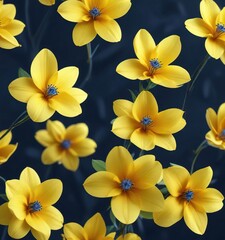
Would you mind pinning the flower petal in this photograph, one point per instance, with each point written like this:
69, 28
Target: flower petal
51, 154
44, 138
29, 176
198, 27
5, 214
74, 231
77, 132
214, 47
8, 11
84, 148
7, 41
221, 116
213, 140
122, 107
17, 187
18, 229
47, 2
166, 141
15, 27
18, 205
6, 139
211, 119
6, 152
57, 130
41, 235
77, 94
102, 184
70, 161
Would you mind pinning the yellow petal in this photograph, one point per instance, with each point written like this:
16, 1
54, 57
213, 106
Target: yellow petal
15, 27
56, 129
125, 207
17, 187
83, 33
47, 2
108, 29
30, 177
132, 69
5, 214
41, 235
119, 162
194, 219
43, 67
198, 27
8, 11
22, 89
144, 45
214, 47
221, 115
102, 184
222, 58
171, 213
169, 121
209, 11
77, 94
70, 161
7, 41
77, 132
44, 138
166, 141
213, 140
51, 154
171, 76
18, 229
168, 49
124, 126
74, 231
38, 108
143, 139
99, 229
53, 217
211, 119
129, 236
84, 148
176, 179
18, 206
122, 107
5, 140
201, 178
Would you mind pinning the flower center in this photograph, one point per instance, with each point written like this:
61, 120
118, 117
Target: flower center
222, 135
34, 207
51, 91
94, 12
65, 144
155, 63
146, 121
220, 28
189, 195
126, 184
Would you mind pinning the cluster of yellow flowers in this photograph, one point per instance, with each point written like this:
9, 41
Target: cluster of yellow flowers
132, 184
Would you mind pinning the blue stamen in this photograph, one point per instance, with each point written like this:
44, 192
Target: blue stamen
34, 207
222, 134
188, 195
95, 12
155, 63
146, 121
65, 144
220, 27
51, 91
126, 184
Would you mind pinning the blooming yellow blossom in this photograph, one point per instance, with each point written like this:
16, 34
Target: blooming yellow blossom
143, 125
9, 26
29, 206
153, 61
189, 198
216, 122
131, 184
211, 26
47, 2
48, 90
94, 17
93, 229
6, 149
65, 145
129, 236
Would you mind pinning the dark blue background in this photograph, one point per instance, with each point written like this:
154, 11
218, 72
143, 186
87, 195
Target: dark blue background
161, 18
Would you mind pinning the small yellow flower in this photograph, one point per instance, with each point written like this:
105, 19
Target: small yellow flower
143, 125
216, 122
211, 26
129, 236
190, 198
47, 2
153, 61
94, 17
48, 90
131, 184
6, 149
29, 206
9, 26
65, 145
93, 229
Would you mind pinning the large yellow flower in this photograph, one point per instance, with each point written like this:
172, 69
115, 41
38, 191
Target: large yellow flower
189, 198
65, 145
216, 122
29, 206
48, 90
93, 229
6, 149
143, 125
211, 26
131, 184
94, 17
9, 26
153, 61
47, 2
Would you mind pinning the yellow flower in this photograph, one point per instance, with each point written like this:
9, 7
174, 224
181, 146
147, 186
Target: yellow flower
94, 17
216, 122
29, 206
190, 198
93, 229
47, 2
129, 236
143, 125
48, 90
65, 145
131, 184
211, 26
9, 26
153, 61
6, 149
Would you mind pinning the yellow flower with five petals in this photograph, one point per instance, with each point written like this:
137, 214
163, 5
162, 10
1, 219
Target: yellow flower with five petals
48, 90
142, 123
189, 197
153, 61
94, 17
29, 206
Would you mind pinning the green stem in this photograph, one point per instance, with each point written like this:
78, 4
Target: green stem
194, 78
3, 179
202, 146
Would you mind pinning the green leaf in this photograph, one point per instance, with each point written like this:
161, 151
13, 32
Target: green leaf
23, 73
133, 96
4, 197
146, 215
98, 165
113, 219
